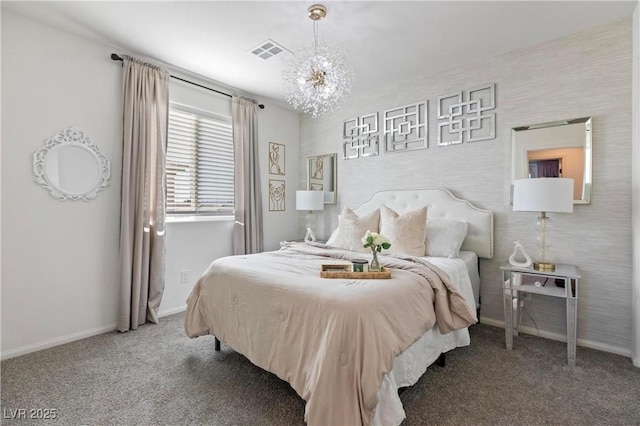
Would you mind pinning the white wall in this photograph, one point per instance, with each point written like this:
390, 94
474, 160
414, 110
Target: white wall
584, 74
282, 126
60, 270
60, 258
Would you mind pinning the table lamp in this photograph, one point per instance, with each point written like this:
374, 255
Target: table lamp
543, 195
309, 200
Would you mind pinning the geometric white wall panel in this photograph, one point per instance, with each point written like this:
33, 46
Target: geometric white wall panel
463, 116
360, 136
405, 128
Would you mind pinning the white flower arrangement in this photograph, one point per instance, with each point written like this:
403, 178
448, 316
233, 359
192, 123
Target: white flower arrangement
376, 241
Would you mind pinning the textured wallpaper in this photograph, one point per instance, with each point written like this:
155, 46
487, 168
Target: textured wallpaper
584, 74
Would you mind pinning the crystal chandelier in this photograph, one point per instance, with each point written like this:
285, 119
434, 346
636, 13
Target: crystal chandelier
317, 77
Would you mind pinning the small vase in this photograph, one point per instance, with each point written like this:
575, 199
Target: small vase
375, 266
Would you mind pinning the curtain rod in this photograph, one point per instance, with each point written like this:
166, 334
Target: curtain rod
116, 57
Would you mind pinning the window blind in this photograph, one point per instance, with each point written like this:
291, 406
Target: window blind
199, 164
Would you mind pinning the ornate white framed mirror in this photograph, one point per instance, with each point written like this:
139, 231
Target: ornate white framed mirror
322, 176
555, 149
71, 167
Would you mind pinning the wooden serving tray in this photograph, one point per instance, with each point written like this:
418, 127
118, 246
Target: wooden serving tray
344, 271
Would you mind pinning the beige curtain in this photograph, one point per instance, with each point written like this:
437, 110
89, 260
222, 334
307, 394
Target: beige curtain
247, 230
142, 226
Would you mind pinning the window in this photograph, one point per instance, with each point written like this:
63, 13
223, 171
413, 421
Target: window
199, 163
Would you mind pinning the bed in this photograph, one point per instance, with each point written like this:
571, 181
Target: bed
347, 345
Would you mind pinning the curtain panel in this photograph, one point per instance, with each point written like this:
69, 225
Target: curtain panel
247, 229
142, 227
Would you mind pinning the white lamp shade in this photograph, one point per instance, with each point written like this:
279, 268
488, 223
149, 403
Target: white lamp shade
543, 195
309, 200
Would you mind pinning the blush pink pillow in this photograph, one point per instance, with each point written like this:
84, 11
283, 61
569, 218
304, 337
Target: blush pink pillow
352, 228
406, 233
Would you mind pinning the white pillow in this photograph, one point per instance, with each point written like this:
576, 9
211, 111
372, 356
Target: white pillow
352, 228
332, 239
406, 233
445, 237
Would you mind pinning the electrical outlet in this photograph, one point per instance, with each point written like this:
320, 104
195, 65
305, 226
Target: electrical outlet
184, 276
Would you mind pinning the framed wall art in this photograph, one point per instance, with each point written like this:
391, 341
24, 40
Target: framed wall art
276, 158
276, 195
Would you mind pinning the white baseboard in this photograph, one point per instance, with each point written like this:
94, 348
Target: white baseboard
56, 342
563, 338
167, 312
12, 353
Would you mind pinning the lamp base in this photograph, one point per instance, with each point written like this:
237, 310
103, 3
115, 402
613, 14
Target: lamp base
544, 266
310, 236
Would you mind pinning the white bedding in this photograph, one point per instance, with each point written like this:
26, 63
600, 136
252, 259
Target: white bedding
411, 364
471, 260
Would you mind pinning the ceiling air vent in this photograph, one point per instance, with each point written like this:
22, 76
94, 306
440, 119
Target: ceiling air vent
268, 49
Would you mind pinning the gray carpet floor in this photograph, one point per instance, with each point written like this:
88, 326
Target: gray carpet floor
156, 376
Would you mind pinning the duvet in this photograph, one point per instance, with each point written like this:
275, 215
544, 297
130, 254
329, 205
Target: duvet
333, 340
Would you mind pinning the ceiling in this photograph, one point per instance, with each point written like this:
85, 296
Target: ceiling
386, 41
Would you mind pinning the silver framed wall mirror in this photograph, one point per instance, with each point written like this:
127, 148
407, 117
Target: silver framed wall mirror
555, 149
71, 167
322, 176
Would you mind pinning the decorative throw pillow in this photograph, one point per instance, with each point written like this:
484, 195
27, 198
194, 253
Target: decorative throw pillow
332, 239
352, 228
445, 237
406, 233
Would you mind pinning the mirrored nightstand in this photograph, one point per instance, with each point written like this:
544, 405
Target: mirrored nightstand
513, 283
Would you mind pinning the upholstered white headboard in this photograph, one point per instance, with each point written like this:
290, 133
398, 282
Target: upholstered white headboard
441, 203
